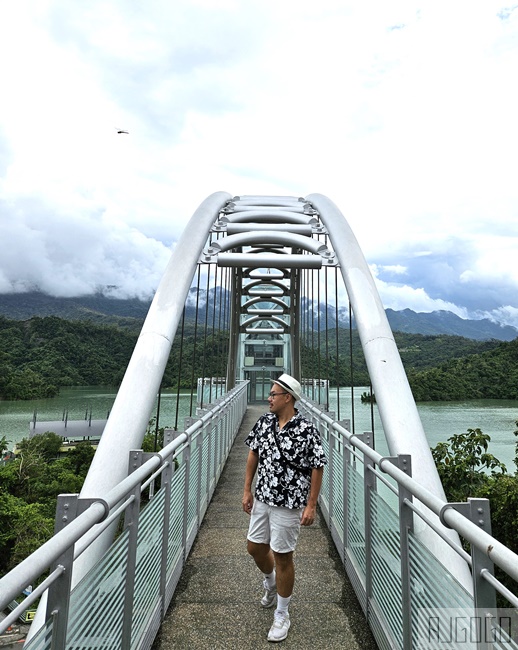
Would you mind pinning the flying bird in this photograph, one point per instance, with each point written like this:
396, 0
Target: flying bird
120, 131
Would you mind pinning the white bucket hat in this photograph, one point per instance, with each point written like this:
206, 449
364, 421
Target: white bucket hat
290, 384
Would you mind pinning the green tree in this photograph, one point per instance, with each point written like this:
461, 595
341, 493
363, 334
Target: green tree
29, 486
153, 438
468, 470
4, 444
79, 458
464, 464
31, 528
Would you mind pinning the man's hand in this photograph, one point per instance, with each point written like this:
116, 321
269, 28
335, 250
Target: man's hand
248, 501
251, 466
308, 516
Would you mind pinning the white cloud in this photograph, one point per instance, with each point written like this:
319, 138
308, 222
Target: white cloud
65, 257
506, 315
403, 113
402, 296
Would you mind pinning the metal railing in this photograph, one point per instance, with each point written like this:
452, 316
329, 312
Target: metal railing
375, 511
121, 601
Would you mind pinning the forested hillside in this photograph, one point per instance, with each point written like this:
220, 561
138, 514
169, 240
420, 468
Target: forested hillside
446, 367
489, 375
418, 352
39, 355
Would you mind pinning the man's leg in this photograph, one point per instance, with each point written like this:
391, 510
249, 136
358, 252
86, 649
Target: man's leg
285, 531
263, 556
285, 570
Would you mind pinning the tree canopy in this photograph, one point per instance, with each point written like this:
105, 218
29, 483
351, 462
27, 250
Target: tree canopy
468, 470
29, 486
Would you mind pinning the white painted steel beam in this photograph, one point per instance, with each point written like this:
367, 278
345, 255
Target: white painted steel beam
258, 300
269, 261
279, 216
265, 330
268, 200
258, 319
269, 237
265, 312
297, 228
234, 207
271, 274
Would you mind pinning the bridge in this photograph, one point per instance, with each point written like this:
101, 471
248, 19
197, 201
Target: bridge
258, 286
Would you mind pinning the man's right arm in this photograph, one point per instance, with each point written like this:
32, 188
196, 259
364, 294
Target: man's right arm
251, 468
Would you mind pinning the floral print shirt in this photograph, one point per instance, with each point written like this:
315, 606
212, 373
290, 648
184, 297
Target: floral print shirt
284, 474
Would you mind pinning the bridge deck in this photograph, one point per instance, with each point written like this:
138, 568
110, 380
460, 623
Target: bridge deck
216, 604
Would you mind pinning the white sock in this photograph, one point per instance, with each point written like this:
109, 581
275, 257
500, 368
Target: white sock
270, 579
282, 604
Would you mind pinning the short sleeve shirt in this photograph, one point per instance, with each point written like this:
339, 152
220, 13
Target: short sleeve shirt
285, 459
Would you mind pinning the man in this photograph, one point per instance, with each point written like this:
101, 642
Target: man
286, 452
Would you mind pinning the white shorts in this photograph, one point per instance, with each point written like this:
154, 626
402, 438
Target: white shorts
274, 525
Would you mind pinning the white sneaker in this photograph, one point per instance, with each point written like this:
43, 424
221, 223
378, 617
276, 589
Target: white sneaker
270, 595
280, 627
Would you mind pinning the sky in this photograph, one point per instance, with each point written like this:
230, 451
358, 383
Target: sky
404, 113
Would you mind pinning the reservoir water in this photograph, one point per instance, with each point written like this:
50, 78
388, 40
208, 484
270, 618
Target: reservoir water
497, 418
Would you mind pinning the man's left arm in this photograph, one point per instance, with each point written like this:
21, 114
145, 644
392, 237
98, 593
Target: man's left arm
310, 511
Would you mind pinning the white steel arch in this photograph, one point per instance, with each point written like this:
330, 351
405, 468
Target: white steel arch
135, 400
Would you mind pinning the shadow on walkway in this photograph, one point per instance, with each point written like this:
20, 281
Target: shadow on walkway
216, 604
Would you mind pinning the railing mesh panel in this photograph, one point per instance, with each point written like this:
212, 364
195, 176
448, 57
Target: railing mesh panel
336, 508
147, 574
442, 610
324, 434
432, 585
175, 546
356, 517
205, 468
97, 602
192, 490
386, 565
42, 640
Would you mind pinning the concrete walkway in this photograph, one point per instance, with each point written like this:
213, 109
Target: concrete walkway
216, 604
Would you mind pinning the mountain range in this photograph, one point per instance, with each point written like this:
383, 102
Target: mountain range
130, 313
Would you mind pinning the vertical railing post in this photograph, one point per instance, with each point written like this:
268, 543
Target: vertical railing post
58, 602
186, 456
166, 481
406, 526
226, 437
484, 593
218, 453
224, 425
131, 521
232, 416
369, 486
330, 469
197, 447
212, 427
345, 487
331, 492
